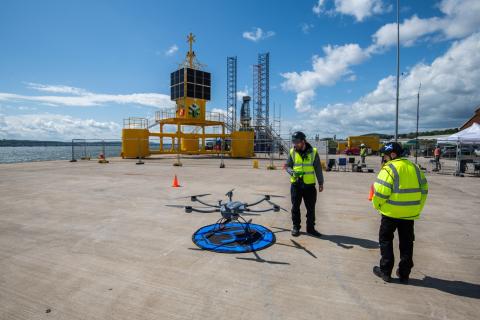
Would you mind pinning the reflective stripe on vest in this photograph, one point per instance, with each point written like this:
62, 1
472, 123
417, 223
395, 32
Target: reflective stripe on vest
396, 181
304, 166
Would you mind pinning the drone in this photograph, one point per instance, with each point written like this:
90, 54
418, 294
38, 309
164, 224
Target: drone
231, 210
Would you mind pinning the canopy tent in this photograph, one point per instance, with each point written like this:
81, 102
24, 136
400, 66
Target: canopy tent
468, 135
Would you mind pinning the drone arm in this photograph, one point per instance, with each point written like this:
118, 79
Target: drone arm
255, 203
258, 210
207, 204
204, 211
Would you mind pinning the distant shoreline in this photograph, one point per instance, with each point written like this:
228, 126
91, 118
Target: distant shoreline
117, 142
39, 143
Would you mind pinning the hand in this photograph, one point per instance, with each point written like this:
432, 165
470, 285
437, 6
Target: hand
298, 174
320, 188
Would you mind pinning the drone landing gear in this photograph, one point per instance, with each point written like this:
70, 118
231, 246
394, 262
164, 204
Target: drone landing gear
221, 225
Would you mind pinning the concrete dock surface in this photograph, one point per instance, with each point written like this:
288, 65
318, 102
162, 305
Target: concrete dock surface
95, 241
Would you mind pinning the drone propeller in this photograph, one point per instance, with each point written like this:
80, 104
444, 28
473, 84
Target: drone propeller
175, 205
268, 196
195, 196
276, 207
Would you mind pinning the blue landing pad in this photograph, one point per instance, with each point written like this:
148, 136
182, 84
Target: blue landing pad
232, 238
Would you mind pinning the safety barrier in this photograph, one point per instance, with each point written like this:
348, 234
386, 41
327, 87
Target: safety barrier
141, 148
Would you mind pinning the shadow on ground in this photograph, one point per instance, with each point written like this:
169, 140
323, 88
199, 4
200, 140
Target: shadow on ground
458, 288
345, 242
297, 245
257, 258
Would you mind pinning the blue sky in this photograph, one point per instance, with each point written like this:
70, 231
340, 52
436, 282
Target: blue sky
77, 68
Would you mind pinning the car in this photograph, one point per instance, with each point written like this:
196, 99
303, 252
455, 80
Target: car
352, 151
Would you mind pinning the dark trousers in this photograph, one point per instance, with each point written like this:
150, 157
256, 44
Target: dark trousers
406, 237
438, 165
308, 193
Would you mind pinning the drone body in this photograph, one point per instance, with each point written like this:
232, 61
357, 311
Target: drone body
231, 210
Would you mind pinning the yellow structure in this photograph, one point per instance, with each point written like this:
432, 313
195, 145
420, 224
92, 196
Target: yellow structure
242, 144
189, 129
135, 138
341, 146
372, 142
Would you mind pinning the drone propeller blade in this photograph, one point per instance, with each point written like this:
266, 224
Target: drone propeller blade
195, 196
277, 206
268, 196
175, 205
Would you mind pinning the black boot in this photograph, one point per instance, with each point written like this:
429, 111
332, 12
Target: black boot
403, 280
295, 231
313, 232
379, 273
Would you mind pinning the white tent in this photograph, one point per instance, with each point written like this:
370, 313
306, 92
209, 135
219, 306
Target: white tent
469, 135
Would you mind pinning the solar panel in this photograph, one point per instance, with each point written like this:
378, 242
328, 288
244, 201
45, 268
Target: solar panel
198, 84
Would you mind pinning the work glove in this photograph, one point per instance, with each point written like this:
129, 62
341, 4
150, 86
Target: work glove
297, 174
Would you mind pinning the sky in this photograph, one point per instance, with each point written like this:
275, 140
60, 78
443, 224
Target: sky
76, 69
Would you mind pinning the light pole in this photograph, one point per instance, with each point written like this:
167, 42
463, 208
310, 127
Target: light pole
398, 69
418, 117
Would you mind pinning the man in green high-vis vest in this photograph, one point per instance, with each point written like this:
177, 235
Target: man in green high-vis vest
400, 192
305, 170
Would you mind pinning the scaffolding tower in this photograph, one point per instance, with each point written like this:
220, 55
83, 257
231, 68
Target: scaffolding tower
261, 91
231, 93
261, 103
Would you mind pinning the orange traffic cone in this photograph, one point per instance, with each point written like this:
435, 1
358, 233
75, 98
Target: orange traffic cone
175, 182
372, 191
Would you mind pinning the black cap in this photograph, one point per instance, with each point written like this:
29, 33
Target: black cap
390, 147
298, 136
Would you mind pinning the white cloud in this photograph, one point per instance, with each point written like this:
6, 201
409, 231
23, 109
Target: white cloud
306, 27
54, 127
326, 70
242, 93
318, 7
82, 98
449, 95
218, 110
257, 34
460, 18
56, 88
360, 9
172, 50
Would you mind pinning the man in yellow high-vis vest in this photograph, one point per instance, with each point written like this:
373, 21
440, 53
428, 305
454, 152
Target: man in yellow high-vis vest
305, 170
400, 192
363, 152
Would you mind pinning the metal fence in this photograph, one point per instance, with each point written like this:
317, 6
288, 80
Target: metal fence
277, 148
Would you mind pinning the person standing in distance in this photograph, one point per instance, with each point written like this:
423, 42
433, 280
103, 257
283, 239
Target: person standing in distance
363, 152
305, 170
